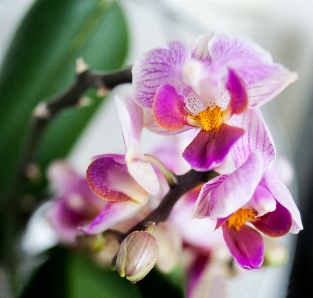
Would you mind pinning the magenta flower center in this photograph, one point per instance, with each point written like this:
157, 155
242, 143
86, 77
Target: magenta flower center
210, 118
239, 218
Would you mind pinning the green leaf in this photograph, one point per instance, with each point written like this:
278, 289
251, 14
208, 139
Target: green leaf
70, 275
86, 280
41, 62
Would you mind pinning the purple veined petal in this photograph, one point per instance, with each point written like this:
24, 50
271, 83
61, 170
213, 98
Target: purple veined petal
276, 223
157, 67
203, 205
209, 148
199, 47
131, 117
261, 92
256, 137
262, 201
250, 62
236, 191
154, 127
245, 245
111, 181
237, 92
112, 214
168, 108
140, 169
281, 193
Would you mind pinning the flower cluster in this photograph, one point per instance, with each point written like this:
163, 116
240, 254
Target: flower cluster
213, 89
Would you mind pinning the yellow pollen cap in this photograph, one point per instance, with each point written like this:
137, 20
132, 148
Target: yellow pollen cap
239, 218
210, 118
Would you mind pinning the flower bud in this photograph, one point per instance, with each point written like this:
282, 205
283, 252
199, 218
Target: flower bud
137, 255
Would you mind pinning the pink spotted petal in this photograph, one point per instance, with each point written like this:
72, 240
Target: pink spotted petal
111, 181
203, 205
262, 201
276, 223
265, 90
245, 245
250, 62
256, 137
236, 191
281, 193
237, 92
140, 169
209, 148
112, 214
168, 108
156, 68
131, 117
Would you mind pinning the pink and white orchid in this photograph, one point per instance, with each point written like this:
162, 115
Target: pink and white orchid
203, 87
75, 204
124, 181
252, 195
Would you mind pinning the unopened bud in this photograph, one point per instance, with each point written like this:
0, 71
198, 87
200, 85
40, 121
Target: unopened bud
137, 255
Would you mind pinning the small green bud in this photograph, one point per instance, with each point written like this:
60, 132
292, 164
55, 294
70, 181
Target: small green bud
137, 255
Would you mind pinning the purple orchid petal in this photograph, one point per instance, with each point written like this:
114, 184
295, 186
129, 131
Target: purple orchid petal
209, 148
281, 193
112, 214
203, 205
276, 223
250, 62
199, 46
157, 67
168, 108
131, 117
265, 90
236, 191
262, 201
237, 91
140, 169
245, 245
111, 181
256, 137
195, 274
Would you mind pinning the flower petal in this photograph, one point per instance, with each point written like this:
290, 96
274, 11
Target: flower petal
168, 108
157, 67
203, 206
276, 223
131, 117
256, 137
281, 193
199, 46
209, 148
262, 201
111, 214
111, 181
140, 169
261, 92
245, 245
250, 62
235, 191
237, 92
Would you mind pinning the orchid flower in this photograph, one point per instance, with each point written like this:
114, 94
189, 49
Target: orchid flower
75, 204
252, 198
124, 181
203, 87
